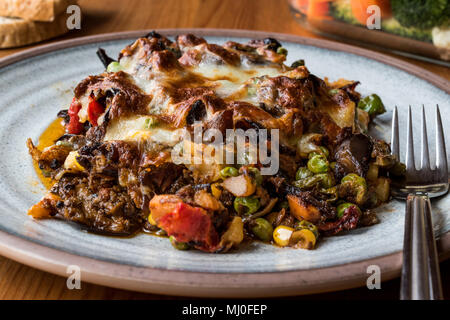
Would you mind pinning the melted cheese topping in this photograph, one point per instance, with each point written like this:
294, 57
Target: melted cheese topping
228, 82
136, 128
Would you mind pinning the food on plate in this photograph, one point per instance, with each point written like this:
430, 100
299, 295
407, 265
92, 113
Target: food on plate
115, 170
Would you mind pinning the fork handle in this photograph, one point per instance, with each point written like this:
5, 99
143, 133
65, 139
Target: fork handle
420, 273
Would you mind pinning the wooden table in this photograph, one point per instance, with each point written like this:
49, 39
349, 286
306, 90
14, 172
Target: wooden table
18, 281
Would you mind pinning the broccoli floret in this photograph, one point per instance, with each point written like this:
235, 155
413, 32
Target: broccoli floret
342, 10
421, 14
393, 26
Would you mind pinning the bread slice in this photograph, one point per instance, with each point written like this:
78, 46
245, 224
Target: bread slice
16, 32
35, 10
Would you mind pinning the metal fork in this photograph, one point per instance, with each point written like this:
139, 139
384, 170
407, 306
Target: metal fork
420, 273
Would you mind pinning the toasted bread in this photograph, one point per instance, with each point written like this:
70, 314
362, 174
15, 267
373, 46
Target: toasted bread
16, 32
34, 10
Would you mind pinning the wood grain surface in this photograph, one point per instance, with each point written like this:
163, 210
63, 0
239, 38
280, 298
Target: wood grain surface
18, 281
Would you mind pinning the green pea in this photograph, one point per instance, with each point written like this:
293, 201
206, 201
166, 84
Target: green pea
229, 172
355, 179
246, 205
114, 67
372, 104
178, 245
298, 63
331, 193
282, 51
256, 174
318, 164
308, 183
150, 123
333, 92
262, 229
302, 173
326, 180
344, 206
322, 151
309, 226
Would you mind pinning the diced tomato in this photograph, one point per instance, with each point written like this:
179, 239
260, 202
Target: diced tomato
190, 224
74, 126
95, 110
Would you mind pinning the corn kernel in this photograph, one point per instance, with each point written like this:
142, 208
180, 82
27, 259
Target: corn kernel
282, 235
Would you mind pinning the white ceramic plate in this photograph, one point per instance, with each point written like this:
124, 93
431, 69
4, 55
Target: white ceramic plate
36, 84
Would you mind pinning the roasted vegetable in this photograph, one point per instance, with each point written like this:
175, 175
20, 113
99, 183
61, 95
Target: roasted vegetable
43, 209
382, 189
353, 188
353, 155
206, 200
72, 163
262, 229
326, 180
282, 235
255, 174
233, 236
304, 239
229, 172
302, 210
318, 164
240, 186
246, 205
372, 173
163, 204
190, 224
344, 206
348, 221
298, 63
309, 182
114, 67
309, 226
303, 173
372, 104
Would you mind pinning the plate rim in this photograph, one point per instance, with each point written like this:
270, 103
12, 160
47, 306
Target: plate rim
202, 284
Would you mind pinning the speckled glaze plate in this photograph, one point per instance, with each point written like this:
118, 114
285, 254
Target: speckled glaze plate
35, 84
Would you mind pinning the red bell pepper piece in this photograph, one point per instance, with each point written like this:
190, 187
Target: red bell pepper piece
95, 110
191, 224
74, 126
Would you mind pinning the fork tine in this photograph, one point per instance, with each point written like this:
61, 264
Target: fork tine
425, 156
409, 161
441, 154
395, 145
